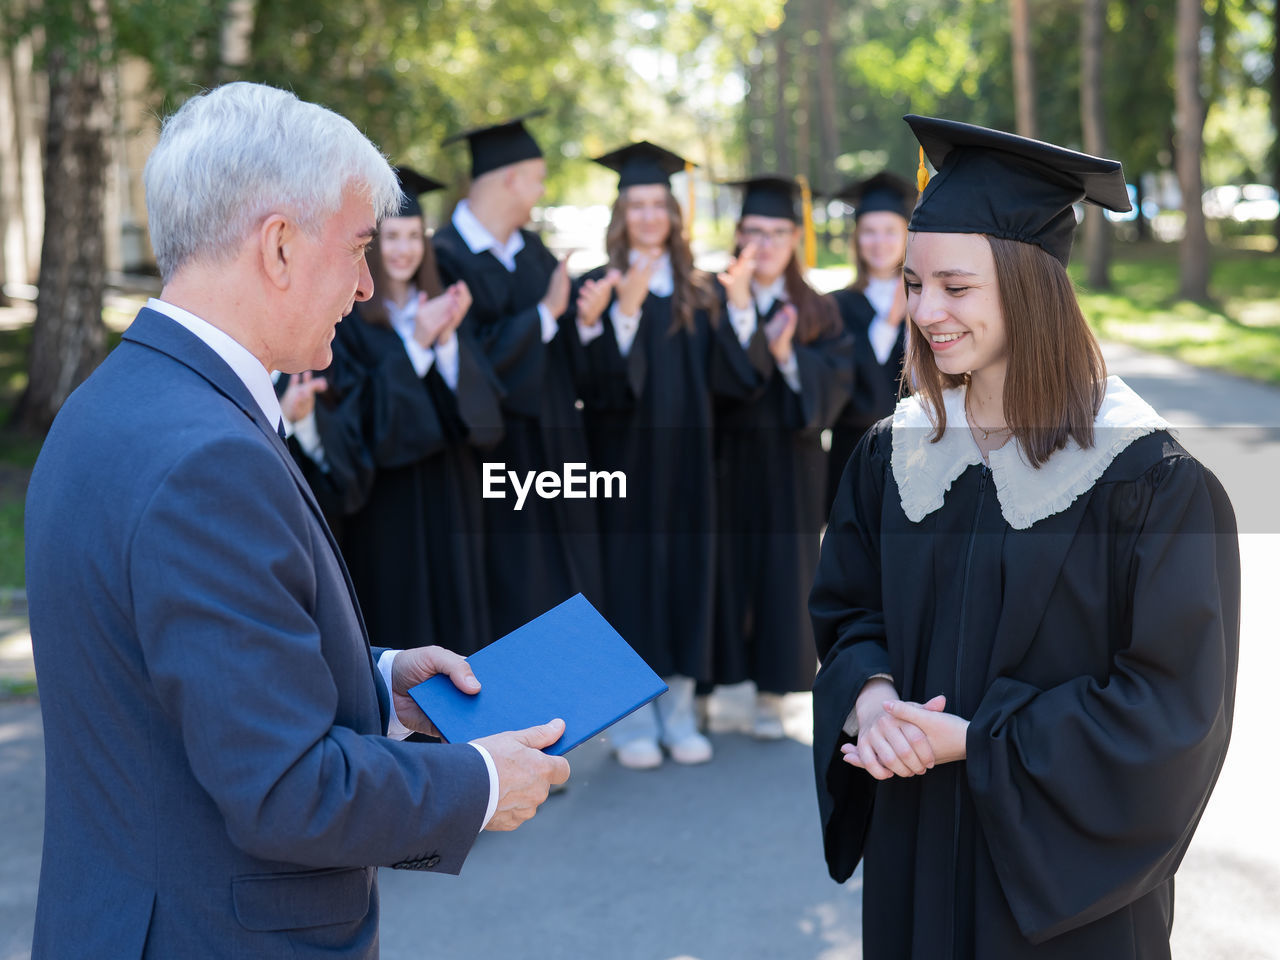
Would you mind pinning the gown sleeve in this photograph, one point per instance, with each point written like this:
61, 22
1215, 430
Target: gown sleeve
847, 610
1088, 791
826, 379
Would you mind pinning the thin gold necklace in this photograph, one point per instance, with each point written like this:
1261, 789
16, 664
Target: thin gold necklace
986, 434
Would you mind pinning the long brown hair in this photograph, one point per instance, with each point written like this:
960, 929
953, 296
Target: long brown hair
817, 315
693, 288
1055, 378
427, 280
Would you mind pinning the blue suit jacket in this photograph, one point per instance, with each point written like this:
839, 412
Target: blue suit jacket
218, 782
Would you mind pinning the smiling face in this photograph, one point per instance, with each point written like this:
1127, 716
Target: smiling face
328, 274
882, 240
402, 244
953, 298
648, 216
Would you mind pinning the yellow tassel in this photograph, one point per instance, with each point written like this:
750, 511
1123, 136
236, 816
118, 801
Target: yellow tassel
810, 236
922, 173
693, 201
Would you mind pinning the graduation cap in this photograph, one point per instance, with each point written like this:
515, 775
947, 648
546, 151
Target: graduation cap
500, 144
643, 163
883, 191
769, 195
1008, 186
414, 184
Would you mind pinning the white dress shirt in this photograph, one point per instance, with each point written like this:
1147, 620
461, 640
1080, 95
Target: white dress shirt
883, 335
625, 327
478, 239
444, 356
258, 381
744, 324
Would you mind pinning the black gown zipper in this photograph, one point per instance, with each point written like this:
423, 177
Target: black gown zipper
956, 706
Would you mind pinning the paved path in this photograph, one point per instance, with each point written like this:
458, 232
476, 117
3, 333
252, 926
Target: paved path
722, 862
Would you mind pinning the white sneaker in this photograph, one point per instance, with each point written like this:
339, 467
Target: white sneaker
693, 748
641, 754
767, 724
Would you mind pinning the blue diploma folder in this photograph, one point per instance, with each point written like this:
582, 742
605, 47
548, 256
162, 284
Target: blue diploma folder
567, 663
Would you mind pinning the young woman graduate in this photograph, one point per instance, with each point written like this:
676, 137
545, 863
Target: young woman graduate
646, 320
873, 309
781, 373
548, 550
1020, 745
424, 405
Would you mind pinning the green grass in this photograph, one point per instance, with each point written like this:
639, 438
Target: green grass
1238, 332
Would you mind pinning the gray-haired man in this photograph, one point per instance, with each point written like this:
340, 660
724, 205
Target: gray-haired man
224, 768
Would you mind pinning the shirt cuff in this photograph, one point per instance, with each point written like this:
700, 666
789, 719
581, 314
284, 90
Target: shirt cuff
395, 729
744, 323
625, 327
421, 357
587, 334
791, 372
493, 786
308, 437
447, 361
549, 325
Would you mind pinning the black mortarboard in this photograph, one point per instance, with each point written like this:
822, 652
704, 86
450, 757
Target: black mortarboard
414, 185
769, 196
500, 144
642, 163
1008, 186
883, 191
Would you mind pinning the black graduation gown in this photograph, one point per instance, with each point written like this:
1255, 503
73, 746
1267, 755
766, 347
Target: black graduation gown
875, 384
771, 494
414, 544
1094, 654
648, 414
549, 550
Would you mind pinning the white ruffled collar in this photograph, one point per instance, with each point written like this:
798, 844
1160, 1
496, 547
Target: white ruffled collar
924, 471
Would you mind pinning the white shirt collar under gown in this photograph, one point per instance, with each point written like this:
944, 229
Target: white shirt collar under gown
924, 471
765, 296
661, 280
244, 364
478, 238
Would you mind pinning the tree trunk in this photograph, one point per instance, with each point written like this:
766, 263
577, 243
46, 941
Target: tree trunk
68, 338
1024, 79
236, 38
1275, 107
1194, 257
827, 110
1097, 231
756, 124
781, 111
803, 112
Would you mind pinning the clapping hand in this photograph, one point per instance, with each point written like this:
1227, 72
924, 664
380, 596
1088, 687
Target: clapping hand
437, 318
779, 332
736, 278
594, 296
299, 398
633, 288
556, 299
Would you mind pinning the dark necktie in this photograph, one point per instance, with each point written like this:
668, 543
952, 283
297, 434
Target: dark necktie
280, 430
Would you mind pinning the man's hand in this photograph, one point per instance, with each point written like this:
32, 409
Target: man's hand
556, 299
299, 397
525, 773
889, 745
594, 296
411, 667
736, 278
779, 332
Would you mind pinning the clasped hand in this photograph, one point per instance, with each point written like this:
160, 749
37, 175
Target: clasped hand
903, 739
